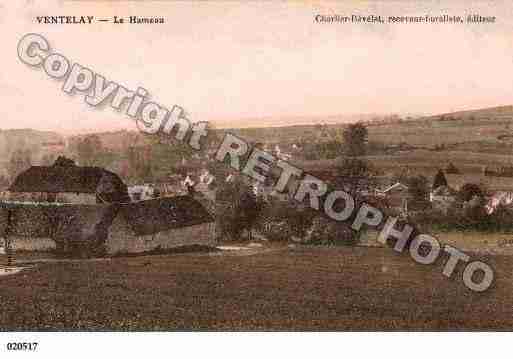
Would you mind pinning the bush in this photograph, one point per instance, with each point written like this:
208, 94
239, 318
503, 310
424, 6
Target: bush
282, 220
275, 230
469, 191
237, 209
325, 231
466, 216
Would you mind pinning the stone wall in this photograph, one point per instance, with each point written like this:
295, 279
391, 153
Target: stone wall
89, 230
77, 198
70, 229
32, 244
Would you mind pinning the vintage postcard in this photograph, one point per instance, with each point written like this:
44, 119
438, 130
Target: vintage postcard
275, 166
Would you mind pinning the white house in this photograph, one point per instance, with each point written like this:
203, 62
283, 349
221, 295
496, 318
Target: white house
499, 199
141, 192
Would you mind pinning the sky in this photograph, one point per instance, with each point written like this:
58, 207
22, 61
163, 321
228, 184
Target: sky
227, 61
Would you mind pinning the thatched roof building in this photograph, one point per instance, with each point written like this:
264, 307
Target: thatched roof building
108, 229
160, 223
163, 214
66, 177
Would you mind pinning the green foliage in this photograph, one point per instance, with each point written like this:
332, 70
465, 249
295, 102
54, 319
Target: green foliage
471, 216
418, 188
469, 191
439, 180
353, 167
88, 150
237, 208
325, 231
355, 139
322, 150
353, 173
279, 221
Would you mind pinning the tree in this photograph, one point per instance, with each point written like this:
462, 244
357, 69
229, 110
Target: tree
439, 180
469, 191
325, 231
140, 163
64, 161
165, 153
89, 149
237, 209
418, 188
282, 220
355, 139
322, 150
220, 171
354, 175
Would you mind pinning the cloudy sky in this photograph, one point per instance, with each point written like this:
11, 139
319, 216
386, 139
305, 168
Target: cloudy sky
225, 61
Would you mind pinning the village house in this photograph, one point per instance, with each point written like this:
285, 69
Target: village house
143, 192
501, 198
442, 198
397, 196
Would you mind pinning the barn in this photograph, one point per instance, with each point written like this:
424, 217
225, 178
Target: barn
100, 229
161, 223
68, 229
86, 211
397, 197
68, 183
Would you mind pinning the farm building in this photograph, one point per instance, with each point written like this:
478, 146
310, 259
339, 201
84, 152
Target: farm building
86, 211
160, 224
500, 198
66, 228
442, 197
143, 192
397, 196
65, 182
89, 230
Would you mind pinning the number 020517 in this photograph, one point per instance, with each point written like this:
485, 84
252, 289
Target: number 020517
22, 346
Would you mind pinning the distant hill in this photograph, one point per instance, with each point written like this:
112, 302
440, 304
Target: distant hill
446, 128
471, 139
294, 121
116, 141
498, 112
291, 121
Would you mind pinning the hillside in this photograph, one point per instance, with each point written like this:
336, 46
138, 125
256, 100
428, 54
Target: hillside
117, 141
490, 112
471, 140
38, 142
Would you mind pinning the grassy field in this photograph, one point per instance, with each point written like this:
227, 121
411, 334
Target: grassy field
471, 140
302, 288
